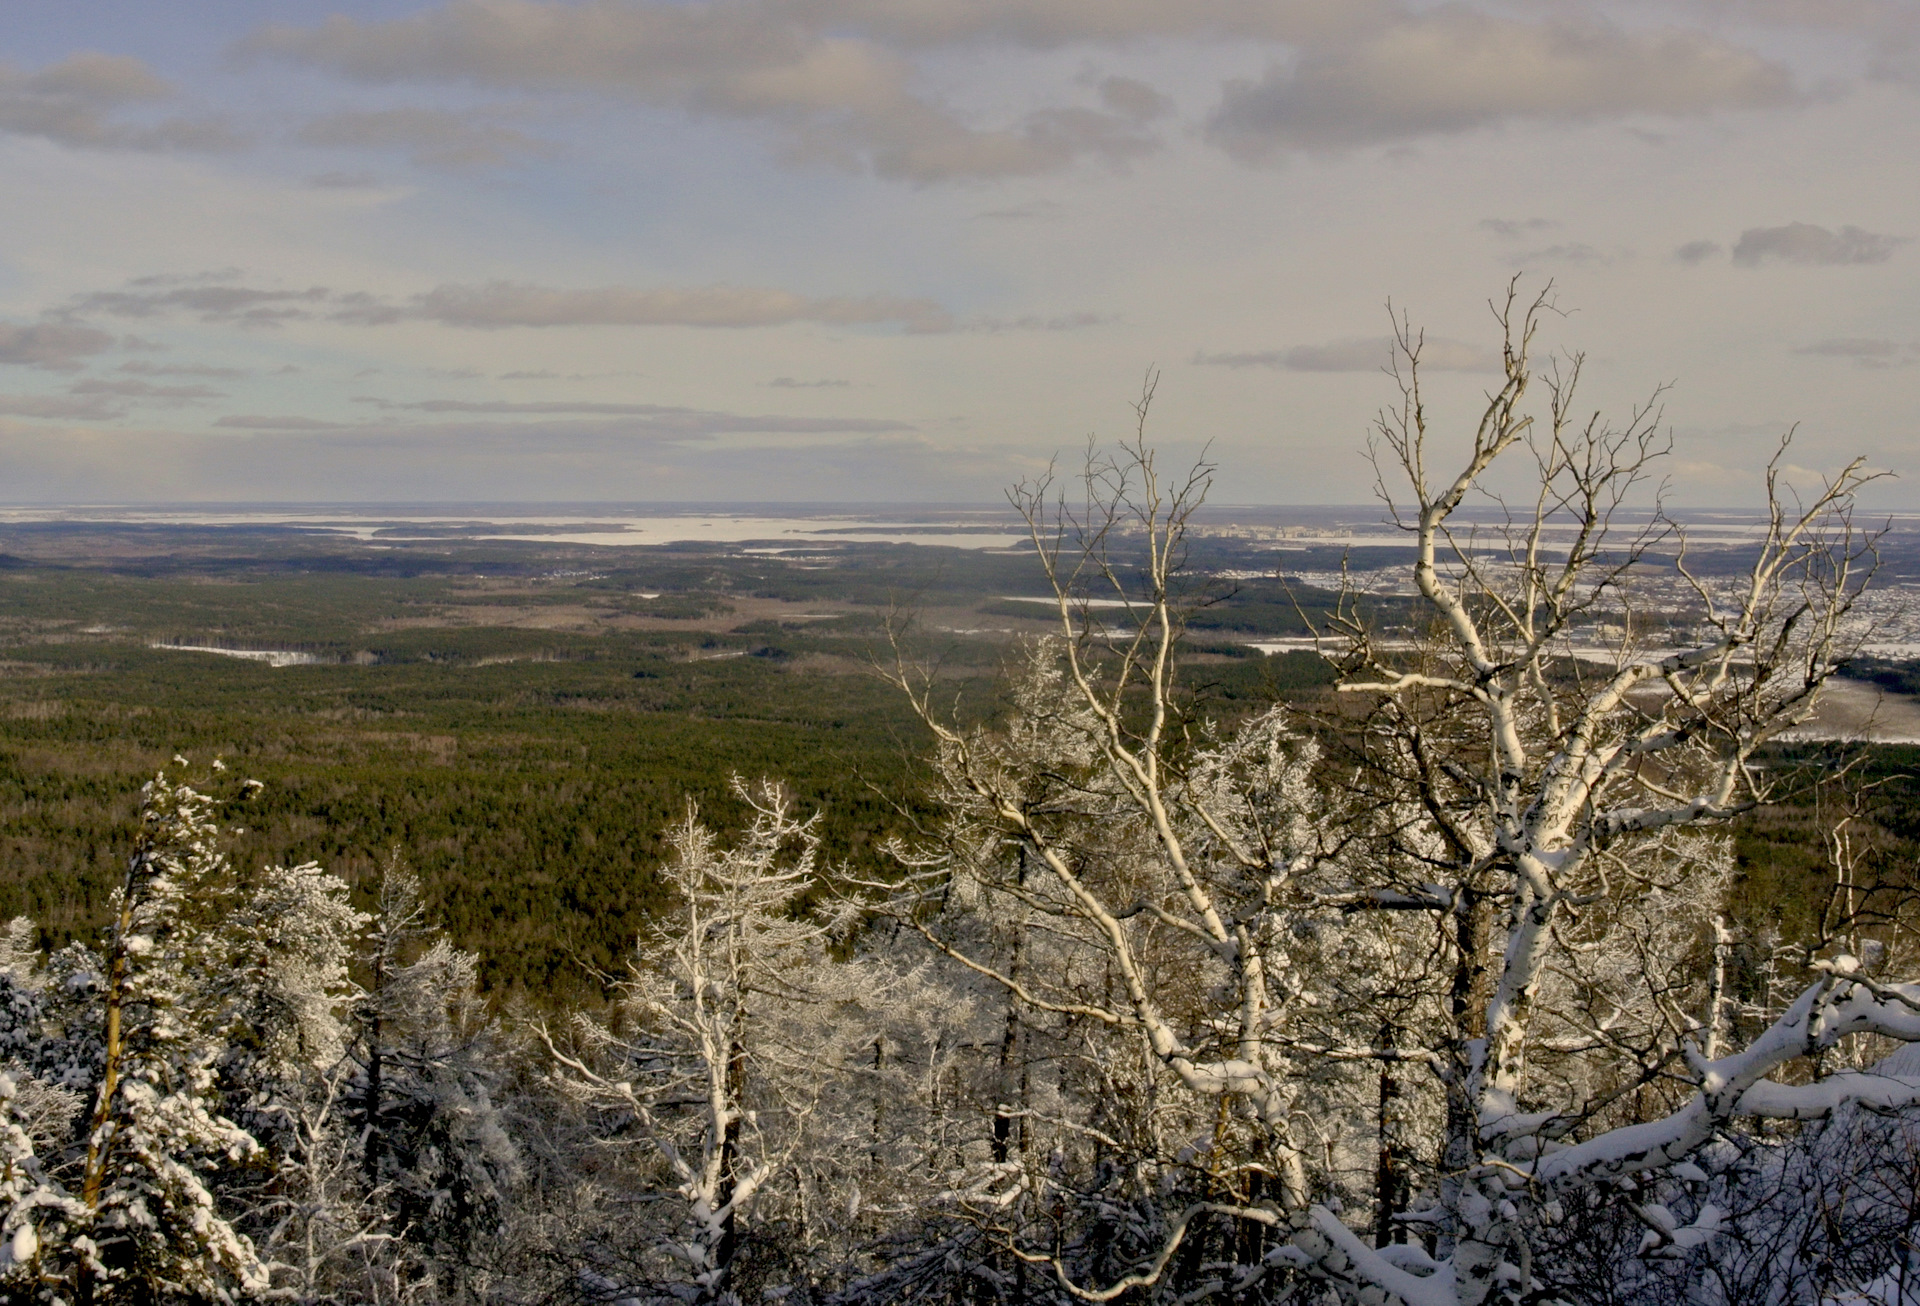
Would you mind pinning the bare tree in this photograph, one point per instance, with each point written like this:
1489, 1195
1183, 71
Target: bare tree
1497, 875
1146, 862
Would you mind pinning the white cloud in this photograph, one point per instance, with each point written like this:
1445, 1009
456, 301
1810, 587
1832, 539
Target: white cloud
843, 99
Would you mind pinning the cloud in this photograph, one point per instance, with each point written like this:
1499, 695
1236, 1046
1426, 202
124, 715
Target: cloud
1809, 246
661, 419
1452, 70
1027, 212
1359, 355
513, 304
52, 345
146, 390
68, 407
214, 303
842, 99
344, 181
622, 458
141, 368
1514, 228
255, 422
1579, 255
1133, 99
1697, 251
788, 383
74, 103
1050, 24
1038, 322
502, 304
1874, 354
431, 138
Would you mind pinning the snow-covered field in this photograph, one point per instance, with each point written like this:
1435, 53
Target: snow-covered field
273, 657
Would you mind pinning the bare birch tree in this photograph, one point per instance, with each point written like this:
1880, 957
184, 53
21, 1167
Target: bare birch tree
1519, 793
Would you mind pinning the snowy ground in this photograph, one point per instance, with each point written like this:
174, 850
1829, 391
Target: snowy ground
1855, 709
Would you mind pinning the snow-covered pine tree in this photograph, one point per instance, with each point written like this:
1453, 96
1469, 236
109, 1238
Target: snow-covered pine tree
279, 995
423, 1098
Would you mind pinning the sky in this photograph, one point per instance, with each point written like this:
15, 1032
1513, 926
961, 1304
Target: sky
917, 250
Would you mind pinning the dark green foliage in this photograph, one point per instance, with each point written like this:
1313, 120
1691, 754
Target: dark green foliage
525, 773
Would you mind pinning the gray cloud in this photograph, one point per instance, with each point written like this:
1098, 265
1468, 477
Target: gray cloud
512, 304
258, 422
54, 345
789, 383
1576, 253
432, 138
344, 181
214, 303
68, 407
1808, 245
660, 419
1514, 228
1697, 251
843, 99
1453, 69
1868, 353
624, 458
75, 103
146, 390
1133, 99
1050, 24
1027, 212
139, 367
1359, 355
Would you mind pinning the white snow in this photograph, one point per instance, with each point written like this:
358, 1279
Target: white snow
273, 657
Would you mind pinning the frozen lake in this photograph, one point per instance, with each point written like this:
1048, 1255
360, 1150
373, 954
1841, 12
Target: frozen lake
554, 525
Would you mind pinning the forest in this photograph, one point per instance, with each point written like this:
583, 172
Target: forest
703, 928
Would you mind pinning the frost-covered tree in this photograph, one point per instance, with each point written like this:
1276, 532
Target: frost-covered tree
730, 1024
1130, 874
167, 1098
1553, 758
1483, 888
155, 1130
422, 1099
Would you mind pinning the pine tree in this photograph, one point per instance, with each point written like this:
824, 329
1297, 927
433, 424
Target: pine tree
427, 1069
